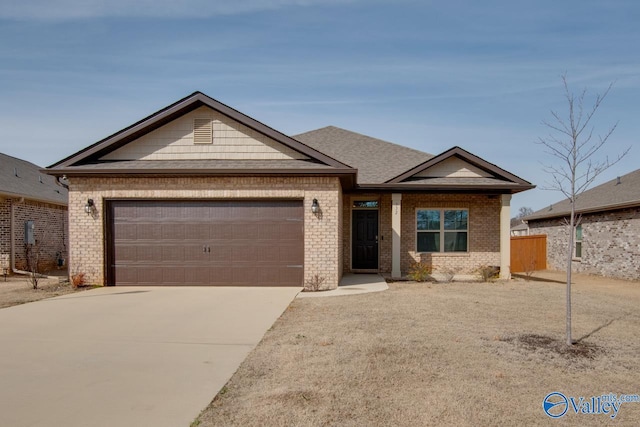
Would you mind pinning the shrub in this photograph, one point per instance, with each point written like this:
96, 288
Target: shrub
420, 272
77, 279
488, 272
314, 284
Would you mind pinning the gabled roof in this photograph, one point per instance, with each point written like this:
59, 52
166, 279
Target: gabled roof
619, 193
376, 160
19, 178
497, 178
75, 162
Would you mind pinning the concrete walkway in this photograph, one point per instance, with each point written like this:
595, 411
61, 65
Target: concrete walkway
352, 284
134, 356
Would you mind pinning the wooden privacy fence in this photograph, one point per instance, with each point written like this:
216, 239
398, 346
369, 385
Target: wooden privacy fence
528, 253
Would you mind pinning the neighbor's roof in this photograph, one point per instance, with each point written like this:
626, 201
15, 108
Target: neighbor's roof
619, 193
19, 178
377, 161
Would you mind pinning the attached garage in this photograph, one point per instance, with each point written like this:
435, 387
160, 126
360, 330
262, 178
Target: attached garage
221, 242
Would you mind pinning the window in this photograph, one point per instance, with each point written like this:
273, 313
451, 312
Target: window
365, 204
442, 230
578, 248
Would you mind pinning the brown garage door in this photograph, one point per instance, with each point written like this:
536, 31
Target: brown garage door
224, 243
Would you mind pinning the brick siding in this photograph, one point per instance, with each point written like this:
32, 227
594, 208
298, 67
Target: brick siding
322, 232
484, 231
610, 243
51, 232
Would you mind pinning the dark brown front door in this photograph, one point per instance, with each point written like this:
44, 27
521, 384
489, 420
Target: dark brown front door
224, 243
365, 239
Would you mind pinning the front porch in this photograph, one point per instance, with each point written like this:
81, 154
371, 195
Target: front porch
386, 232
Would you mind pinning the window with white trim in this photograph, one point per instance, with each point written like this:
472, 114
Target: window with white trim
442, 230
578, 247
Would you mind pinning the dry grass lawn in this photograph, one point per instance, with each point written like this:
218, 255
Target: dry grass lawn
17, 290
458, 354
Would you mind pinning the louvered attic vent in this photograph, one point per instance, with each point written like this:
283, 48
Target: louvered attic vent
202, 131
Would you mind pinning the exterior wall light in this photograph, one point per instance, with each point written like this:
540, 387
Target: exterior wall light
89, 207
315, 207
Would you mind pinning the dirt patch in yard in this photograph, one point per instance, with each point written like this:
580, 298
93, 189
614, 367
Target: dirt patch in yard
463, 354
18, 290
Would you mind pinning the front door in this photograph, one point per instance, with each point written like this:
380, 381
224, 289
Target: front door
365, 240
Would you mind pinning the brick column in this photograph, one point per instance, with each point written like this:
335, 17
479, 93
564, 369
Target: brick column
396, 211
505, 237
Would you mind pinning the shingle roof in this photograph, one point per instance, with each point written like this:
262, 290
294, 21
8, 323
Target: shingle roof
377, 161
19, 178
608, 196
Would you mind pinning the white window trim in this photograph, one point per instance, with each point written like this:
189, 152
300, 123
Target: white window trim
441, 231
575, 243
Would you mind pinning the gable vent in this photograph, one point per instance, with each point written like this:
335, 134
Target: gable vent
202, 131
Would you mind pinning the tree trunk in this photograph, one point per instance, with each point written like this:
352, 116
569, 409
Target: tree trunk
569, 270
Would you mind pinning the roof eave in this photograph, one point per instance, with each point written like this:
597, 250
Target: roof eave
596, 209
495, 189
10, 195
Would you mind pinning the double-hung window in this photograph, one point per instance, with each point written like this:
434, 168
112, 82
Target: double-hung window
442, 230
578, 248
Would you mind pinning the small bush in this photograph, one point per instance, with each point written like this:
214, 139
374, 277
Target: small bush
77, 279
314, 284
420, 272
488, 272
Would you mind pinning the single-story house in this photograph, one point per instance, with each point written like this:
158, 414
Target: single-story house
199, 193
608, 232
33, 218
521, 229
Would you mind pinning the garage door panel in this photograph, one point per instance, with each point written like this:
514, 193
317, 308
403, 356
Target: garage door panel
148, 254
220, 252
173, 253
207, 242
196, 275
125, 231
196, 231
148, 231
220, 231
126, 253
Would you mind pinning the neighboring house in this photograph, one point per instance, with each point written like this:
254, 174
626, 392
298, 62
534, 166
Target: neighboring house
521, 229
608, 232
199, 193
33, 217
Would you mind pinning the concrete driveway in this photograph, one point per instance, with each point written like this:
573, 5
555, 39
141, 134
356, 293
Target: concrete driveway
134, 356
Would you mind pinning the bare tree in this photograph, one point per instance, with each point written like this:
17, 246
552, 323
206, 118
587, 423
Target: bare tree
571, 141
524, 211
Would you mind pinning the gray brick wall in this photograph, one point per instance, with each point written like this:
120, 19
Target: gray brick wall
51, 232
610, 243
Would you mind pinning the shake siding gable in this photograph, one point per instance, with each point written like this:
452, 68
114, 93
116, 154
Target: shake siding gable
231, 141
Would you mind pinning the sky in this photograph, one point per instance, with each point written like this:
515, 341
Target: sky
424, 74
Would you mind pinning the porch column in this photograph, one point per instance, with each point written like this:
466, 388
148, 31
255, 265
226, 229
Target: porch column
396, 215
505, 237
